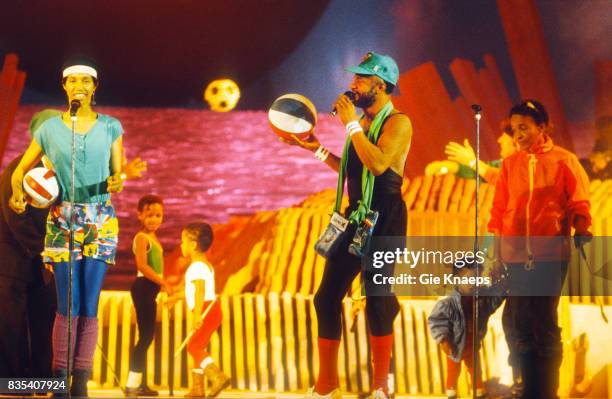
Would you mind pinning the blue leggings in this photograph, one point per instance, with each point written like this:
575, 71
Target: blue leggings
87, 278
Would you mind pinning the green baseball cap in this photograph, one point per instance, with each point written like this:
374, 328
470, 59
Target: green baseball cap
380, 65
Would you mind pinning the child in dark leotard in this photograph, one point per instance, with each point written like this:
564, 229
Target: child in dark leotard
150, 264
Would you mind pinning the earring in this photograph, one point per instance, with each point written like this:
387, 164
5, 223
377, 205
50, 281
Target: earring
93, 98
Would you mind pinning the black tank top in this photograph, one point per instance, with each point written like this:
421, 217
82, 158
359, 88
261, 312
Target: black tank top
388, 183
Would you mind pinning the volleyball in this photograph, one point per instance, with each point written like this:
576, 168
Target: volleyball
41, 187
292, 115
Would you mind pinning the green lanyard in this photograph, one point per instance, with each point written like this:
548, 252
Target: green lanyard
367, 178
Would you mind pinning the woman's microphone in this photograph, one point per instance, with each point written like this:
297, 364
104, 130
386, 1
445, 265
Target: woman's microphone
350, 95
74, 106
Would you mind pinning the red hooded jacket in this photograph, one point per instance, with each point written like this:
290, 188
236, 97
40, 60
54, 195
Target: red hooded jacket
538, 194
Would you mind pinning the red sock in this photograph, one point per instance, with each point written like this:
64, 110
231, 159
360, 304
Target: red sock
381, 359
328, 366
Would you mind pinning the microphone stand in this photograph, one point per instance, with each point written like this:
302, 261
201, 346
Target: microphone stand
475, 333
73, 118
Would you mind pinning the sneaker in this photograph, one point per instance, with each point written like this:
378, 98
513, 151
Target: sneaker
335, 394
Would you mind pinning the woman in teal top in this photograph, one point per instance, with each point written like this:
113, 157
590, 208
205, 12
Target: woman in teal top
98, 145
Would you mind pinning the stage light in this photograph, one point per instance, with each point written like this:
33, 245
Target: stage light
222, 95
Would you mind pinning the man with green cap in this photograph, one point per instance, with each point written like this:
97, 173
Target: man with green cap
376, 148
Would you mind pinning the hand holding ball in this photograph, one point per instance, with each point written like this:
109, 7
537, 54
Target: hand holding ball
41, 187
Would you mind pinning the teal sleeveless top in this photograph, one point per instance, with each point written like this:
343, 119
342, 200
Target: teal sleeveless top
155, 254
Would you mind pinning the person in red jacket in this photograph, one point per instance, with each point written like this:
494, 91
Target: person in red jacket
541, 193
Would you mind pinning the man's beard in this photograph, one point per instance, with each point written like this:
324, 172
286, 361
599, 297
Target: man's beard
365, 100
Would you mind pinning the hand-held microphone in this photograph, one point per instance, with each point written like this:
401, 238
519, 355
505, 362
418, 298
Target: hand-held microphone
350, 95
74, 106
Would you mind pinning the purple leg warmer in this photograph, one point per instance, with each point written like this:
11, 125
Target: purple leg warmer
86, 343
60, 340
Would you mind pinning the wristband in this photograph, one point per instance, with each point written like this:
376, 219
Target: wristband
353, 128
321, 154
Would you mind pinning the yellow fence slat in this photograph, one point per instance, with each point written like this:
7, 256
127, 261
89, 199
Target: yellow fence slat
250, 347
112, 340
398, 352
289, 341
302, 337
188, 328
315, 335
436, 377
463, 384
278, 371
263, 344
179, 310
488, 346
409, 342
226, 335
364, 348
165, 338
565, 378
126, 328
424, 372
237, 342
351, 345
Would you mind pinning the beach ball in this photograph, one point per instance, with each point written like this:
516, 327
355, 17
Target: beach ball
292, 114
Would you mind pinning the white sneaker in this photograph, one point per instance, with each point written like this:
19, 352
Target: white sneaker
335, 394
378, 394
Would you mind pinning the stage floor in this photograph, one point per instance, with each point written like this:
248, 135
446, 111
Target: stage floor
116, 393
253, 395
241, 394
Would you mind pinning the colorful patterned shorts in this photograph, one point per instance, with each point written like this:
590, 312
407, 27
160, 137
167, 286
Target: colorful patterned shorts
95, 236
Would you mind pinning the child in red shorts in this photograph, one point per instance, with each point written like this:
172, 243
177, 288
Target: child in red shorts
196, 238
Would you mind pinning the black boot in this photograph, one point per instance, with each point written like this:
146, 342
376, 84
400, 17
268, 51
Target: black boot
530, 374
61, 373
79, 383
548, 371
516, 390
